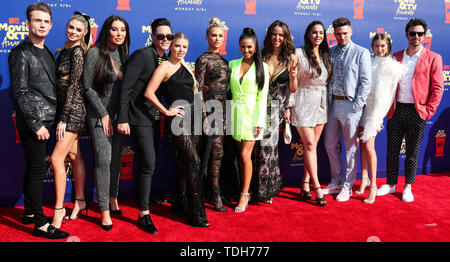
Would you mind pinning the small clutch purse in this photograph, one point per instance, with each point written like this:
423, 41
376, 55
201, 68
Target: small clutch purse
287, 135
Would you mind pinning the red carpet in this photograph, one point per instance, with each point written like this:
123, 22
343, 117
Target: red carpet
288, 219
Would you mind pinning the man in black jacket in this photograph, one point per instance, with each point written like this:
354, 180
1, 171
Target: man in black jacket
138, 117
33, 88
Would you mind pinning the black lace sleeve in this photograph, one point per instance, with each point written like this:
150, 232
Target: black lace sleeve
74, 89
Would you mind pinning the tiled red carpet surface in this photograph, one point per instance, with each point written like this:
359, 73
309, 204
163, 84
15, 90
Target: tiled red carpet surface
288, 219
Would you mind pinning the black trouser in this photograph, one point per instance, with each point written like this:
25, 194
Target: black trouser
405, 122
36, 168
146, 140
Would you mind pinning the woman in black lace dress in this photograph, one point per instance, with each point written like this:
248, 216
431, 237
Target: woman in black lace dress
179, 87
279, 54
71, 115
213, 75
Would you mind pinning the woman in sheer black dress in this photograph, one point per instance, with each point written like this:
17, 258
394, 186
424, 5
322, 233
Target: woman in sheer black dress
213, 75
178, 85
71, 115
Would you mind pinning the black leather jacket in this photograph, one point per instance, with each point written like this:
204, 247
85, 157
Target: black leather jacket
33, 87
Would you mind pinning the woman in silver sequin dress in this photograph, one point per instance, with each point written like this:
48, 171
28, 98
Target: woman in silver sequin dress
309, 103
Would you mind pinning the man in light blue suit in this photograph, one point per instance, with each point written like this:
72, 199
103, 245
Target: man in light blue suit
347, 93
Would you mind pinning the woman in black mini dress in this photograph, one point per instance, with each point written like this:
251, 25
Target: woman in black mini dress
71, 116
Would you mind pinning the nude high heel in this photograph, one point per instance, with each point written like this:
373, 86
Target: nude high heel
238, 209
368, 200
362, 187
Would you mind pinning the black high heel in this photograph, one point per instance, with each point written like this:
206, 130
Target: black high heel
106, 227
306, 195
80, 211
322, 201
146, 224
115, 212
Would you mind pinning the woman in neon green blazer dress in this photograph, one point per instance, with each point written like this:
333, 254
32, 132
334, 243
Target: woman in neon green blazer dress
249, 85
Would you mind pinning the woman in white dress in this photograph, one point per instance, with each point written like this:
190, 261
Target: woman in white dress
386, 73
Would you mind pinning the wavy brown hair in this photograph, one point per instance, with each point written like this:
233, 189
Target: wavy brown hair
288, 46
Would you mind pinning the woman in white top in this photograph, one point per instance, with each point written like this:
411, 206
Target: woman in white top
386, 73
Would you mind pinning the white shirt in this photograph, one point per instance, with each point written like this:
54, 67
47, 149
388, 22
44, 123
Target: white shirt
405, 92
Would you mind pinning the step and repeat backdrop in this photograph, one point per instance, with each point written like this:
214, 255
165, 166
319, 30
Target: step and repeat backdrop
191, 17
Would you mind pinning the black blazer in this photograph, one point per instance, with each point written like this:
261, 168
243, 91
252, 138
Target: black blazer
33, 87
134, 108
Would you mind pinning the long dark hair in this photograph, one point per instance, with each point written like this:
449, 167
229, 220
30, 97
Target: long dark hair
249, 33
287, 48
324, 51
104, 70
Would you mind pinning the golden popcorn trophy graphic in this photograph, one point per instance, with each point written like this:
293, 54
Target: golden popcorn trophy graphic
447, 11
223, 47
330, 36
250, 7
427, 40
126, 163
358, 7
123, 5
94, 30
440, 143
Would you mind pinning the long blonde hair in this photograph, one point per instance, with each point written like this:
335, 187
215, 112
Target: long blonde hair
177, 36
82, 41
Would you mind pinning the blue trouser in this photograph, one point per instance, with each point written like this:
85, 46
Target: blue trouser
342, 124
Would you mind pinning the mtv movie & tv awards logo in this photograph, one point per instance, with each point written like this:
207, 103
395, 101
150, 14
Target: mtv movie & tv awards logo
12, 33
446, 77
299, 151
190, 6
147, 29
406, 9
308, 8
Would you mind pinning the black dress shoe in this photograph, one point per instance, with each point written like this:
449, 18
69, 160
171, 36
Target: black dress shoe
106, 227
51, 233
145, 223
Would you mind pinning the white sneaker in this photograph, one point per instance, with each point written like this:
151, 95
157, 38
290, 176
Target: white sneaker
344, 195
385, 189
331, 189
407, 195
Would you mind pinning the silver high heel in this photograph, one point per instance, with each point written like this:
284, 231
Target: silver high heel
362, 189
238, 209
367, 200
